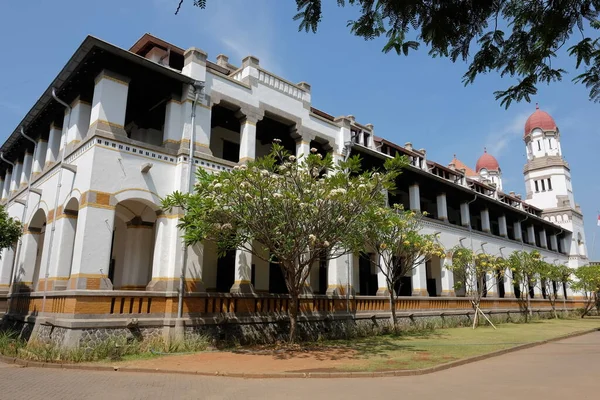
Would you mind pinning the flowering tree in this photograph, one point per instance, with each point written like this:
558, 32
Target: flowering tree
10, 229
588, 282
475, 273
551, 275
525, 269
394, 235
283, 209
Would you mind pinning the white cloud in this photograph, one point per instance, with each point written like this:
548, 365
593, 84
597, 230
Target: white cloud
498, 140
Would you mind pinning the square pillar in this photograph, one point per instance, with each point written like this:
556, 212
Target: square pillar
509, 285
247, 138
53, 147
447, 277
543, 239
340, 275
6, 185
491, 286
414, 197
442, 207
173, 124
194, 63
80, 121
302, 147
382, 288
518, 231
553, 242
6, 267
62, 253
537, 290
28, 271
531, 235
465, 215
39, 157
93, 242
243, 271
203, 114
109, 103
26, 170
16, 177
502, 226
485, 220
419, 280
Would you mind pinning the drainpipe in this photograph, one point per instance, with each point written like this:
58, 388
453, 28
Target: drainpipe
14, 264
57, 197
472, 248
522, 251
348, 149
198, 88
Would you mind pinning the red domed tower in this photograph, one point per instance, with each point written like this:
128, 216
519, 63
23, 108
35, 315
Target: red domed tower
488, 169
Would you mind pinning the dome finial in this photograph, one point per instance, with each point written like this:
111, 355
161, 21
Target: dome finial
485, 149
537, 106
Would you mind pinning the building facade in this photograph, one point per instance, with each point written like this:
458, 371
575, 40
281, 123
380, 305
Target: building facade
87, 167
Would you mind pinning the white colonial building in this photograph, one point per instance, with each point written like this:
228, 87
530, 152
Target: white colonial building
88, 165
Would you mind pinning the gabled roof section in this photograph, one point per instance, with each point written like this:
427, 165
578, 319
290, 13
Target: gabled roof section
461, 165
148, 41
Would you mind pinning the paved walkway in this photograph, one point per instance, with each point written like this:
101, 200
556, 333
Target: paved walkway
561, 370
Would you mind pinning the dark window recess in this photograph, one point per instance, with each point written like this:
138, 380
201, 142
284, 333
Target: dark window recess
550, 143
549, 184
543, 186
367, 280
226, 272
276, 279
231, 151
500, 281
531, 292
517, 290
537, 188
323, 276
539, 145
253, 275
403, 286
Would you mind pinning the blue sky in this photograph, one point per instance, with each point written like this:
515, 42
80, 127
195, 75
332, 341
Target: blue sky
416, 99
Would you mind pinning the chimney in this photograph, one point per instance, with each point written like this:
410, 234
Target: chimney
408, 146
222, 60
351, 118
512, 193
519, 196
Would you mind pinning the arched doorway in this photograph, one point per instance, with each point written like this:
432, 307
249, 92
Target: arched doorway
32, 247
133, 245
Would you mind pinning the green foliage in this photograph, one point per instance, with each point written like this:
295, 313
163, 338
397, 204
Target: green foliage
10, 229
518, 39
475, 272
395, 236
285, 209
588, 282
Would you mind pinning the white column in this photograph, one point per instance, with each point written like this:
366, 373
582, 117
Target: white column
59, 269
414, 197
491, 286
16, 176
382, 287
537, 290
2, 182
302, 147
26, 265
80, 121
531, 235
447, 277
52, 150
173, 124
6, 266
247, 138
40, 157
517, 230
340, 275
502, 226
543, 239
138, 258
442, 207
419, 280
202, 122
26, 171
110, 102
509, 285
553, 243
465, 216
243, 270
485, 220
6, 186
93, 240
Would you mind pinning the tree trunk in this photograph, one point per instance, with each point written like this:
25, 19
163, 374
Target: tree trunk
393, 308
293, 314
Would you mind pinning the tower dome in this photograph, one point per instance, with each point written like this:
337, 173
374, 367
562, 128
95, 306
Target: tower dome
540, 119
488, 162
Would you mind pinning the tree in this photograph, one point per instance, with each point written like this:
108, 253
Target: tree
476, 274
394, 235
10, 229
524, 267
588, 282
281, 209
517, 39
550, 276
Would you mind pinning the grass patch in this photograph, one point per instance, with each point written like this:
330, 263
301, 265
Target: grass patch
422, 349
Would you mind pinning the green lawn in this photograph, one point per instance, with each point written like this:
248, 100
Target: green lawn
425, 349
